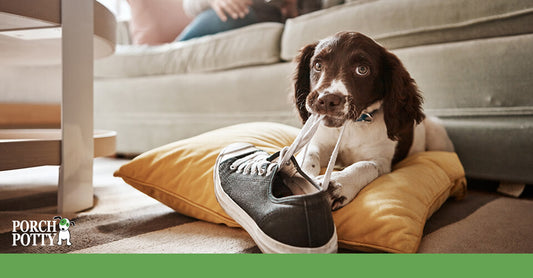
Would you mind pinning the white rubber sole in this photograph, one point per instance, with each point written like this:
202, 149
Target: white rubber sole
263, 241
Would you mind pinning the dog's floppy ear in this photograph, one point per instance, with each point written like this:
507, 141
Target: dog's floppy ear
402, 103
302, 80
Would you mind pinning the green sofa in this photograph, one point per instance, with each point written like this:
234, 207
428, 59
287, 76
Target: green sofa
473, 61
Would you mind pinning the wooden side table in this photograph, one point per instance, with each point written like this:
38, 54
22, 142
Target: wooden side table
73, 33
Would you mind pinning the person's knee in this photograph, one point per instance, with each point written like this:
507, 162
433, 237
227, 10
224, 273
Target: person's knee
208, 23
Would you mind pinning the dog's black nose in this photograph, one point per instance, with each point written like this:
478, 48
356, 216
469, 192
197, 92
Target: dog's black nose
329, 103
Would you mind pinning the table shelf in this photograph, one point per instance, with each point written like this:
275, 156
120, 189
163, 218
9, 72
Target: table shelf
23, 148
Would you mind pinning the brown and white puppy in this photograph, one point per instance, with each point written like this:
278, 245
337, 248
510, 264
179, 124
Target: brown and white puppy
352, 80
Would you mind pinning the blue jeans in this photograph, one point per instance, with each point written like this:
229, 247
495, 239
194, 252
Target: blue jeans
208, 23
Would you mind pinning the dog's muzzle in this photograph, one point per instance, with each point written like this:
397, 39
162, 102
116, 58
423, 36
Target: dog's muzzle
332, 105
329, 104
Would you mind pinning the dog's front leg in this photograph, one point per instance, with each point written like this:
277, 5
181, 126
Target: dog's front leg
345, 184
310, 164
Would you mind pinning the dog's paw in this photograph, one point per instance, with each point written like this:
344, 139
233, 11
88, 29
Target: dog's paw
337, 199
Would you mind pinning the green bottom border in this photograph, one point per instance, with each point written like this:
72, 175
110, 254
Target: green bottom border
252, 265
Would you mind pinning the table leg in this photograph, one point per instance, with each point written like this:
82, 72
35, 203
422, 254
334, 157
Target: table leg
76, 171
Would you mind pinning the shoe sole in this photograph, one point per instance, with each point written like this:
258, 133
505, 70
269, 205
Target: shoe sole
263, 241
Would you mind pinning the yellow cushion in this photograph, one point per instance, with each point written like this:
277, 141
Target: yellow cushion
388, 215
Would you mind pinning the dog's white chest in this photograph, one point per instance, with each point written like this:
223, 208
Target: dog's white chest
64, 235
360, 142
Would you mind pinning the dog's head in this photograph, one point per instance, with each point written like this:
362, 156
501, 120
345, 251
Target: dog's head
344, 75
64, 223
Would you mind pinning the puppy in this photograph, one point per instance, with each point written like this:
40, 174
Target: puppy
354, 81
64, 233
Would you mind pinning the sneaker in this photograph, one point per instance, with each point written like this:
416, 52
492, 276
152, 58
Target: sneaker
282, 209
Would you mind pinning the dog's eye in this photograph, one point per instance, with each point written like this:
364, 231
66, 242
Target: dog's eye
362, 70
317, 66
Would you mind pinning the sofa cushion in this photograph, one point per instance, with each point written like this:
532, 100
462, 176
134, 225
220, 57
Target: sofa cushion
485, 77
152, 111
481, 89
398, 24
251, 45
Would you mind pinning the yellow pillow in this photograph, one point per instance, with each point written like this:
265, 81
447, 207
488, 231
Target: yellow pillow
388, 215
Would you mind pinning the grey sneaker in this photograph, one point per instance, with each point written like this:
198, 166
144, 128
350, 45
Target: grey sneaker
282, 209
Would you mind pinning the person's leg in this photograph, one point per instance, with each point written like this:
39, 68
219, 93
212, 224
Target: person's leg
208, 23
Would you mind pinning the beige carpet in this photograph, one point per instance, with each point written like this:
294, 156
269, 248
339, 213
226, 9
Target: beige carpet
124, 220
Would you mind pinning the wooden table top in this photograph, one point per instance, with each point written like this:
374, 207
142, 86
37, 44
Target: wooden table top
30, 32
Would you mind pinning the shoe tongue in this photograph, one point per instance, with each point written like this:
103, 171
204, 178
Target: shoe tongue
297, 182
288, 168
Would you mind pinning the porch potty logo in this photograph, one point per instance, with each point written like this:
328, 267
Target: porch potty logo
43, 233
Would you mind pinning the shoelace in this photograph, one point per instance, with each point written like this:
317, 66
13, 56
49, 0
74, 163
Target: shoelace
254, 163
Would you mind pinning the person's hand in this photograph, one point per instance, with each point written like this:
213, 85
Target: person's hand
233, 8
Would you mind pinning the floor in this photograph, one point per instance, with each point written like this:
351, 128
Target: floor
125, 220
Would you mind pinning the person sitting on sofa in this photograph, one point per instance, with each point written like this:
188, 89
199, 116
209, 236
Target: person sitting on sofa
214, 16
